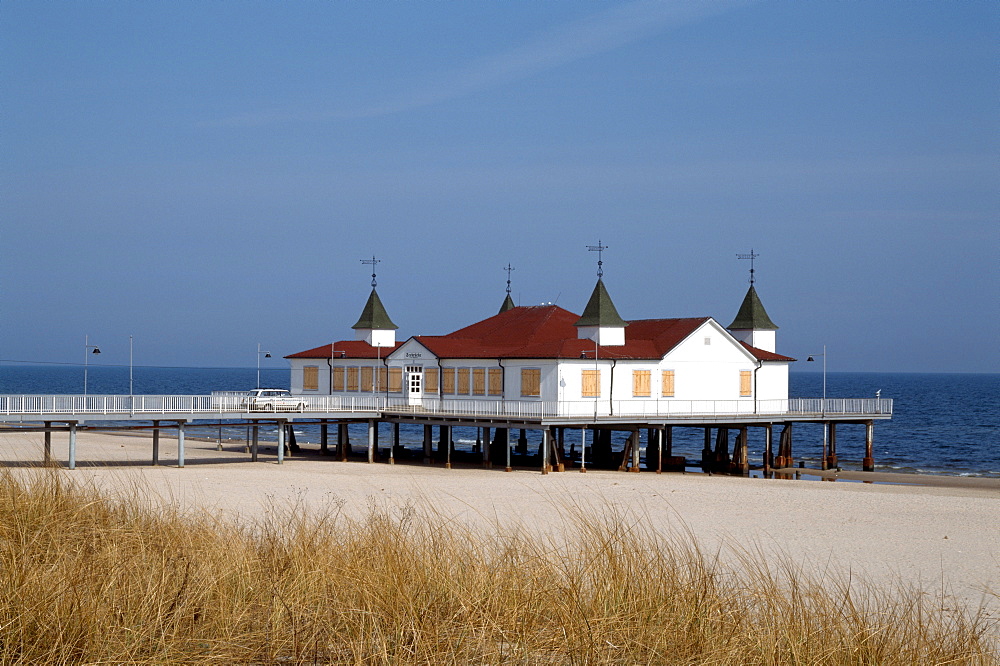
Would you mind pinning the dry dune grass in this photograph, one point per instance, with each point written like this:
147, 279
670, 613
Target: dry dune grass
88, 579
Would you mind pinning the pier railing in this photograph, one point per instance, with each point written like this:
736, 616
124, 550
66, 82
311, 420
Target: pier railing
200, 406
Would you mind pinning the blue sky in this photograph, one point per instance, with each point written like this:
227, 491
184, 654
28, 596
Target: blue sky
205, 176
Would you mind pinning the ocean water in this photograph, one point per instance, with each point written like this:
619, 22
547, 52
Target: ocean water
942, 423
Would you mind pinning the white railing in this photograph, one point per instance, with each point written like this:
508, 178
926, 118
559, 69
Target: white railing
234, 403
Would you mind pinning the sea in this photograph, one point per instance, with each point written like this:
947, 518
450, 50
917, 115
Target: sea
945, 424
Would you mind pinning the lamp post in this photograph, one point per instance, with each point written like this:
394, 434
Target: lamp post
826, 426
88, 349
130, 392
266, 354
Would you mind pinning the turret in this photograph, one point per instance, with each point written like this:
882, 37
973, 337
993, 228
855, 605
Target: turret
752, 325
374, 325
600, 321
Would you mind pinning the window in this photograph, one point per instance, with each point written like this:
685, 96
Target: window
310, 378
462, 375
448, 380
591, 384
352, 379
668, 384
382, 381
496, 381
395, 380
479, 381
640, 383
745, 383
430, 380
531, 381
366, 378
338, 380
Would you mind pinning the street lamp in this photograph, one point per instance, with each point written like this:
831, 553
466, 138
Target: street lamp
826, 426
266, 354
87, 350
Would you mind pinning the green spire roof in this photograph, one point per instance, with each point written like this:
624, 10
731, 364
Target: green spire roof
600, 311
374, 315
508, 304
752, 315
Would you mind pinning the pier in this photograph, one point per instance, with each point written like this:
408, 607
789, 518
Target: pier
496, 423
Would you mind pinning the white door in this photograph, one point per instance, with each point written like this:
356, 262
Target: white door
414, 384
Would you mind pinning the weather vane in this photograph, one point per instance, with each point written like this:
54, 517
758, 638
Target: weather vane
751, 257
372, 262
599, 249
508, 269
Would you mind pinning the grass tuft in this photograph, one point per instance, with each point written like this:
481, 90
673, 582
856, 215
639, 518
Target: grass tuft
89, 579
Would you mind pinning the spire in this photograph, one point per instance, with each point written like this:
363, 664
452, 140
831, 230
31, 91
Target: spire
752, 315
508, 304
600, 310
374, 316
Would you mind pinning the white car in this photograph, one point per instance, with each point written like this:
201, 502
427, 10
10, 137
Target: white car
273, 400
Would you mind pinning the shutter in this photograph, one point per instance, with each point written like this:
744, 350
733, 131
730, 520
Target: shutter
366, 378
745, 383
463, 381
496, 381
591, 381
479, 381
395, 380
338, 380
668, 383
352, 379
640, 383
310, 378
383, 379
531, 381
430, 380
448, 381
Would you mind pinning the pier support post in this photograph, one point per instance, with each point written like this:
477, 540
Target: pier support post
831, 461
661, 435
868, 464
343, 441
324, 438
826, 438
156, 443
768, 461
743, 462
428, 443
545, 451
180, 443
255, 445
395, 444
583, 449
372, 436
446, 431
47, 448
522, 443
634, 439
507, 433
706, 451
281, 442
487, 462
72, 445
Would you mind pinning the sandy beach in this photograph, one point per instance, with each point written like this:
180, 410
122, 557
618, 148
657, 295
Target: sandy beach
943, 535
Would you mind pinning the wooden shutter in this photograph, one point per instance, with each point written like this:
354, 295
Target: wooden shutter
383, 379
430, 380
745, 383
463, 381
668, 384
310, 378
366, 378
531, 381
352, 379
448, 380
395, 380
591, 380
338, 380
496, 381
479, 381
640, 383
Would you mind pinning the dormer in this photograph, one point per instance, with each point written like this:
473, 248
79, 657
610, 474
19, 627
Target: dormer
600, 321
374, 325
752, 325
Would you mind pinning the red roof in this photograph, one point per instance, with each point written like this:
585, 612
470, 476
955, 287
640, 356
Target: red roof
347, 349
540, 331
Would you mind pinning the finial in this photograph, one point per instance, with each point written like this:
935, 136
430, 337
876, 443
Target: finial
751, 257
372, 262
599, 249
509, 268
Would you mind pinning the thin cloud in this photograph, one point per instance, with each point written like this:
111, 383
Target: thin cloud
592, 35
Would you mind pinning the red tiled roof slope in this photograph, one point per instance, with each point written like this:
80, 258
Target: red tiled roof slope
763, 355
351, 349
